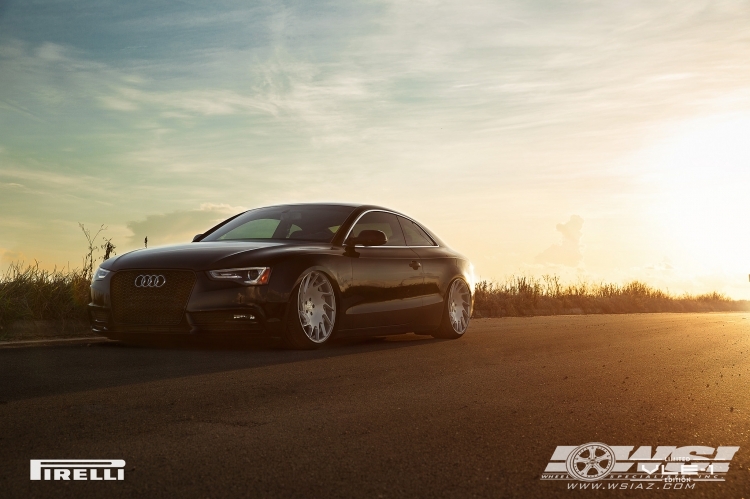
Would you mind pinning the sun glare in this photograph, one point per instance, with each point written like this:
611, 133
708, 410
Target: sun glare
700, 177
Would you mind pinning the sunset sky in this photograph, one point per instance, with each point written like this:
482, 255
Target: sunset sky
607, 141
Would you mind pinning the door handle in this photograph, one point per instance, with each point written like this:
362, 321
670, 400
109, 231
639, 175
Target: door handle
415, 265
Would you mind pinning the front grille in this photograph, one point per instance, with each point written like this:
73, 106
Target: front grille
163, 306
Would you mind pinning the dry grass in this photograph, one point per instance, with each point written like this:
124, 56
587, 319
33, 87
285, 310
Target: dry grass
29, 293
528, 296
37, 303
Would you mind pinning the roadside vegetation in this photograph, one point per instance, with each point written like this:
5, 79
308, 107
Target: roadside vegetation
30, 293
529, 296
40, 303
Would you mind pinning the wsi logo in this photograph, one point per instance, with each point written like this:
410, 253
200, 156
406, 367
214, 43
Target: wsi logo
669, 464
77, 469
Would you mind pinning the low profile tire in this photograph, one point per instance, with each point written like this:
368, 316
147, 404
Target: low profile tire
456, 312
311, 313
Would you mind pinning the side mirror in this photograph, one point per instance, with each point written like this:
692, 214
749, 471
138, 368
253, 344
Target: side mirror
197, 237
368, 238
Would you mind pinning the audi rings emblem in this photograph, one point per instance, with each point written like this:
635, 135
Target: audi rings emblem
150, 281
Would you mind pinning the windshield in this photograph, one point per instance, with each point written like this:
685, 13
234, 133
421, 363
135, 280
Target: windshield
300, 222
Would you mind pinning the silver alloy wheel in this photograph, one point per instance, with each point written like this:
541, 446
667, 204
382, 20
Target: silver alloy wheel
459, 306
316, 306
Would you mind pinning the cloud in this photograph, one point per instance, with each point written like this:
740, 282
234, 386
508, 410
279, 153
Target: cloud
9, 256
664, 265
179, 226
117, 104
39, 177
568, 252
51, 52
207, 103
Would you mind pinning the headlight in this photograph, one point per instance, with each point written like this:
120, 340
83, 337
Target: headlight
100, 274
252, 276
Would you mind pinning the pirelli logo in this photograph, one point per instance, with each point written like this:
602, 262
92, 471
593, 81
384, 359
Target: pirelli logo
77, 469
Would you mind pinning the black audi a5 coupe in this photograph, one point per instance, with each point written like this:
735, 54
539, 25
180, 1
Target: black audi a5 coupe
303, 273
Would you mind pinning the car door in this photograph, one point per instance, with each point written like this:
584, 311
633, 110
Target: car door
437, 264
386, 280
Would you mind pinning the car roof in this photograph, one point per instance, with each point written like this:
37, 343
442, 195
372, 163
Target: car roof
348, 205
357, 206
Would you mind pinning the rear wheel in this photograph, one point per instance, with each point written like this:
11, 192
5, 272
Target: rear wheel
311, 312
456, 312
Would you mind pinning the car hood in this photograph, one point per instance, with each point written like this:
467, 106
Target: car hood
196, 256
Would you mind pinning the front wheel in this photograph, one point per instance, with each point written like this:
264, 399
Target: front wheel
456, 312
311, 312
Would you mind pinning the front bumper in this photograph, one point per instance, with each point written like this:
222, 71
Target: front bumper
251, 319
212, 308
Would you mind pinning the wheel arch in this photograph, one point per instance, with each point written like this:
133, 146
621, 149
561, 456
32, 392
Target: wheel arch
465, 271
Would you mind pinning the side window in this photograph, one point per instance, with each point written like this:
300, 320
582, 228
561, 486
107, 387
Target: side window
384, 222
415, 236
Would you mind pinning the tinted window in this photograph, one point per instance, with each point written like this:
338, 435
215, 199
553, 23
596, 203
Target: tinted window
384, 222
301, 222
415, 236
262, 228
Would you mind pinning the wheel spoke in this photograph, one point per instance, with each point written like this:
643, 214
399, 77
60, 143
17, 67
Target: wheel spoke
320, 281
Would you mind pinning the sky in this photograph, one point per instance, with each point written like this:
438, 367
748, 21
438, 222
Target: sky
605, 141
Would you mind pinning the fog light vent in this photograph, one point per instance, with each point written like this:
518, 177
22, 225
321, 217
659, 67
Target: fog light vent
100, 315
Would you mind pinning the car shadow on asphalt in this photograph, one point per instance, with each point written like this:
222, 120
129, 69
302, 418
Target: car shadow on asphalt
45, 371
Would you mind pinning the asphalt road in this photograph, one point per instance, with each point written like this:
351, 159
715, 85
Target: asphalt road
405, 417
